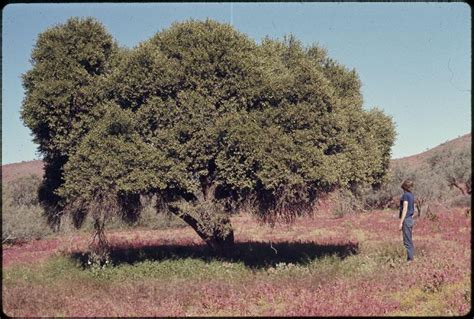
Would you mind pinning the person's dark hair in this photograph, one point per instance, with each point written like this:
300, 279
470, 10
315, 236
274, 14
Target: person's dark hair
407, 185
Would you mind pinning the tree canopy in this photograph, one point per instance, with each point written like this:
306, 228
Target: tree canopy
200, 116
70, 64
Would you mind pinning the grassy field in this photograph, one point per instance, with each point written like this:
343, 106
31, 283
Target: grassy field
320, 266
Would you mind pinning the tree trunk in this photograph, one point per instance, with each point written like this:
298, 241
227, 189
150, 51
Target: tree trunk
221, 242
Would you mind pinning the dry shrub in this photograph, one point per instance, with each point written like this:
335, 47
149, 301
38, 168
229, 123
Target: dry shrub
23, 191
23, 223
443, 179
460, 201
434, 282
284, 205
345, 202
22, 218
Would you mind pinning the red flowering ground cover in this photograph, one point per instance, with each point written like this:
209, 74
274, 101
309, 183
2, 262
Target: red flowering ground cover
318, 266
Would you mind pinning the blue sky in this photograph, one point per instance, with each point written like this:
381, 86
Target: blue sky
414, 59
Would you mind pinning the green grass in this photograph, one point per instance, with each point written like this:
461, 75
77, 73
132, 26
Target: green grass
292, 277
62, 267
186, 269
55, 269
62, 270
65, 269
418, 301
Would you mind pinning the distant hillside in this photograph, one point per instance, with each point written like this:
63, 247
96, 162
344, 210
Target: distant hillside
418, 159
16, 170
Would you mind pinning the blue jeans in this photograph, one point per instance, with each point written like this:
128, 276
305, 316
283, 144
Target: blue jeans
407, 237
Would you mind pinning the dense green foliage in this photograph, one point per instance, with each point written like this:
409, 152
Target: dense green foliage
202, 117
62, 90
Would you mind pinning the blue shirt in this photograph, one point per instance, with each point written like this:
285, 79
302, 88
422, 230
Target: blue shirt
407, 197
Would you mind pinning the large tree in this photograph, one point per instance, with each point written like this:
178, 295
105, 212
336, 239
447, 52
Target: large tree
70, 63
209, 121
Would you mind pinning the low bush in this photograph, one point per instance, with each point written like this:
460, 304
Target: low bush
22, 191
149, 219
345, 202
459, 201
23, 223
23, 220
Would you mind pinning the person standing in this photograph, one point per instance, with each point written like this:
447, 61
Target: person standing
407, 209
